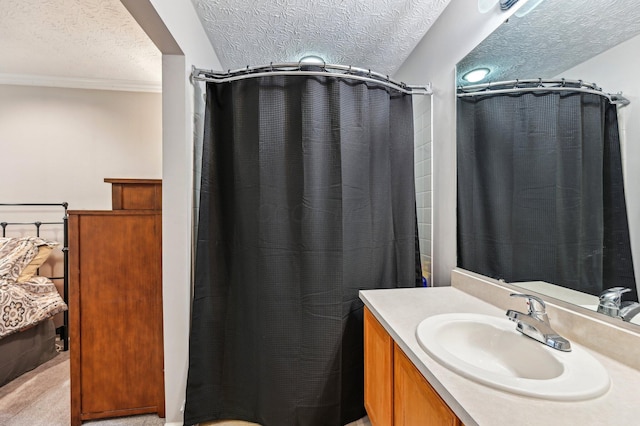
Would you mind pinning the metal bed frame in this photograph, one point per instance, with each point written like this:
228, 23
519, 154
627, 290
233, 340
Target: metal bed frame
63, 330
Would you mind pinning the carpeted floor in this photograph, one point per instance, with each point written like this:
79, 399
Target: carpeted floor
41, 398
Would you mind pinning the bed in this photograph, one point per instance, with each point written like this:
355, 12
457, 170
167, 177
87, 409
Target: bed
33, 286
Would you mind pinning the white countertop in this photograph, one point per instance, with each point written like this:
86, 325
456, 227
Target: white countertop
401, 310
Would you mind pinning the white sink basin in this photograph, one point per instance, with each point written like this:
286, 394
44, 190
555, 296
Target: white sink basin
489, 350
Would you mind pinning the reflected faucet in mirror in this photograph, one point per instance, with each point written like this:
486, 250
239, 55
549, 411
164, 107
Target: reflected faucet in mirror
610, 303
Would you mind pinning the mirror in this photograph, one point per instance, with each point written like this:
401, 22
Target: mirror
591, 40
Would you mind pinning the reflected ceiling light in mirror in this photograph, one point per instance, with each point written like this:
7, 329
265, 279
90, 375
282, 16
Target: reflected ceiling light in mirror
476, 75
531, 4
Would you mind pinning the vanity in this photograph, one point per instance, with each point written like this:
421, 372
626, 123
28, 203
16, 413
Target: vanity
405, 385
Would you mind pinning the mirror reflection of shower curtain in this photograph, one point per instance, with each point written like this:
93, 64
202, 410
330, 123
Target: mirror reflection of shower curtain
307, 196
540, 190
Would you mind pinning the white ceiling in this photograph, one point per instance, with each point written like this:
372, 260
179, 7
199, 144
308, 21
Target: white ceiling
57, 41
53, 41
98, 40
369, 34
553, 38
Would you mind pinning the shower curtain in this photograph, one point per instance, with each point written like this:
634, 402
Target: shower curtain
307, 196
540, 190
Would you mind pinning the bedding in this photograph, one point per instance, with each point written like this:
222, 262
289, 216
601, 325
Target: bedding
25, 300
29, 303
23, 305
17, 253
30, 270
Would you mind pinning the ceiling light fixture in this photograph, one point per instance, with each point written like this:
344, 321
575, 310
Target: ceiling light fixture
312, 59
476, 75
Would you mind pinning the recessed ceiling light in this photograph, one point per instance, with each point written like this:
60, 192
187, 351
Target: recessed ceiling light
476, 75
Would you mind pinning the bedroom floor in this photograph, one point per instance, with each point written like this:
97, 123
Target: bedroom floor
41, 398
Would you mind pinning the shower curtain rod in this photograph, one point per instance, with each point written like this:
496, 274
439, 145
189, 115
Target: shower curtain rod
539, 85
300, 68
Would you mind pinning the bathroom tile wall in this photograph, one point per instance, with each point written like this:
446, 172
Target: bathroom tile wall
422, 140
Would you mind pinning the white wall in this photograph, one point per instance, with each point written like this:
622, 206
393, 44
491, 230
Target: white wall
457, 31
614, 71
178, 21
59, 144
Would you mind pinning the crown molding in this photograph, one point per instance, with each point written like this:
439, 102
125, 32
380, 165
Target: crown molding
81, 83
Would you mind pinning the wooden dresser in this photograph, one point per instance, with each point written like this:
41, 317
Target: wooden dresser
115, 305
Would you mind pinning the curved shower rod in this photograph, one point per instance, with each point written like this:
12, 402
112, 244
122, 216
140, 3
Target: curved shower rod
300, 68
539, 85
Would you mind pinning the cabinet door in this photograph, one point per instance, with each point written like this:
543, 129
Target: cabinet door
416, 403
378, 372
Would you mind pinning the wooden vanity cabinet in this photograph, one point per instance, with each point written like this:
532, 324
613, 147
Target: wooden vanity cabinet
396, 393
378, 372
115, 311
415, 402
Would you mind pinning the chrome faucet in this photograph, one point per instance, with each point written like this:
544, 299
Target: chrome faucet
610, 303
535, 323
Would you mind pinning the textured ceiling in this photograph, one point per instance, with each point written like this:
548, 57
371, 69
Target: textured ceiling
98, 39
90, 39
370, 34
554, 37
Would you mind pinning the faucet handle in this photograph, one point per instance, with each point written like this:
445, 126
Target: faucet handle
613, 294
537, 307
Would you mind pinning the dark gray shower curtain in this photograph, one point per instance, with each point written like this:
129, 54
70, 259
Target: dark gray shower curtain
307, 197
540, 191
